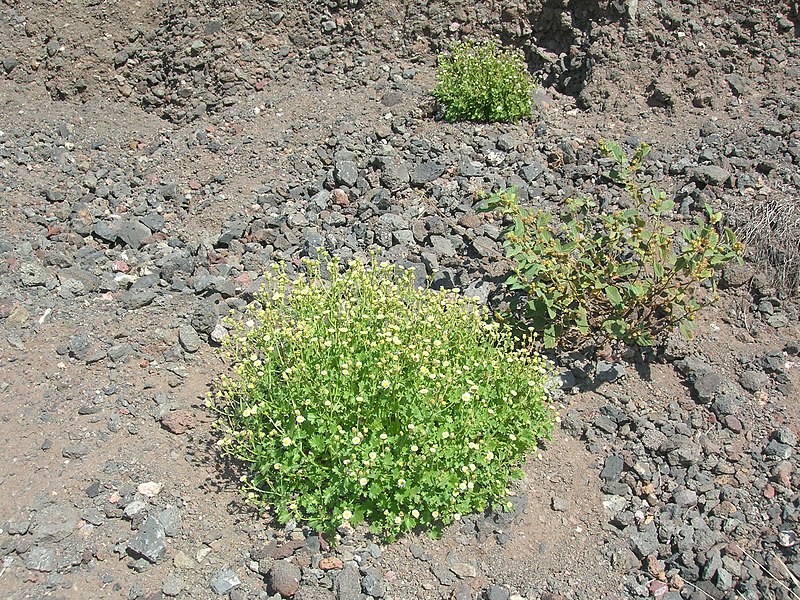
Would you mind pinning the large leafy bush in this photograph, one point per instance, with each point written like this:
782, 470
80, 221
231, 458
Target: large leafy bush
482, 82
626, 275
364, 398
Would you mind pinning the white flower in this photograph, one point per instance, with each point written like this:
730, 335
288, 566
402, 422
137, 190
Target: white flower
363, 481
489, 456
445, 435
457, 517
287, 441
398, 520
373, 455
385, 383
347, 515
300, 419
415, 513
414, 447
466, 396
462, 486
356, 440
384, 436
401, 482
277, 466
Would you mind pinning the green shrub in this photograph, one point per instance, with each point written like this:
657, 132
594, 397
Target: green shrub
364, 398
625, 275
481, 82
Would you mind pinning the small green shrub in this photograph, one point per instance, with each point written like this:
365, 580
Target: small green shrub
481, 82
364, 398
625, 275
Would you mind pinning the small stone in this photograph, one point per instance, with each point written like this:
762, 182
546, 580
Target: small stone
609, 372
644, 543
41, 559
133, 232
373, 586
347, 585
706, 385
709, 175
183, 561
224, 581
150, 488
559, 504
170, 518
173, 584
218, 334
330, 563
754, 381
77, 450
464, 570
149, 542
187, 335
179, 421
612, 469
283, 578
495, 592
345, 173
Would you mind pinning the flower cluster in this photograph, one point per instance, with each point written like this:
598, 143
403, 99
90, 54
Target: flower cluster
360, 397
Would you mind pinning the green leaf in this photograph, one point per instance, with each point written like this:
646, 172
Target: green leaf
613, 295
658, 270
615, 327
687, 329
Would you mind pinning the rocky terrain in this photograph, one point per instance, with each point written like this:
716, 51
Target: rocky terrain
156, 157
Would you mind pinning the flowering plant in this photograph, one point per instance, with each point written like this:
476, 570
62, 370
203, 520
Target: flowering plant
357, 396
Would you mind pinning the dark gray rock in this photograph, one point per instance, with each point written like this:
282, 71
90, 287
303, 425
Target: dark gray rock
41, 559
709, 175
173, 584
705, 386
372, 584
137, 300
683, 452
313, 592
495, 592
170, 518
345, 173
105, 232
612, 469
76, 450
133, 232
224, 581
79, 346
644, 543
609, 372
775, 449
149, 542
347, 585
784, 435
283, 578
187, 335
205, 318
754, 381
54, 522
425, 172
738, 84
394, 173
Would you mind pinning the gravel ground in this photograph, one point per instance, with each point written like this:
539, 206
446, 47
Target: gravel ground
155, 158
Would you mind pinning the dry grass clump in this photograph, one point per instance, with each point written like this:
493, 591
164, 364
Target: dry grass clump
770, 228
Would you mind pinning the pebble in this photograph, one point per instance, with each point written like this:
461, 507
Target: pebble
149, 542
224, 580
